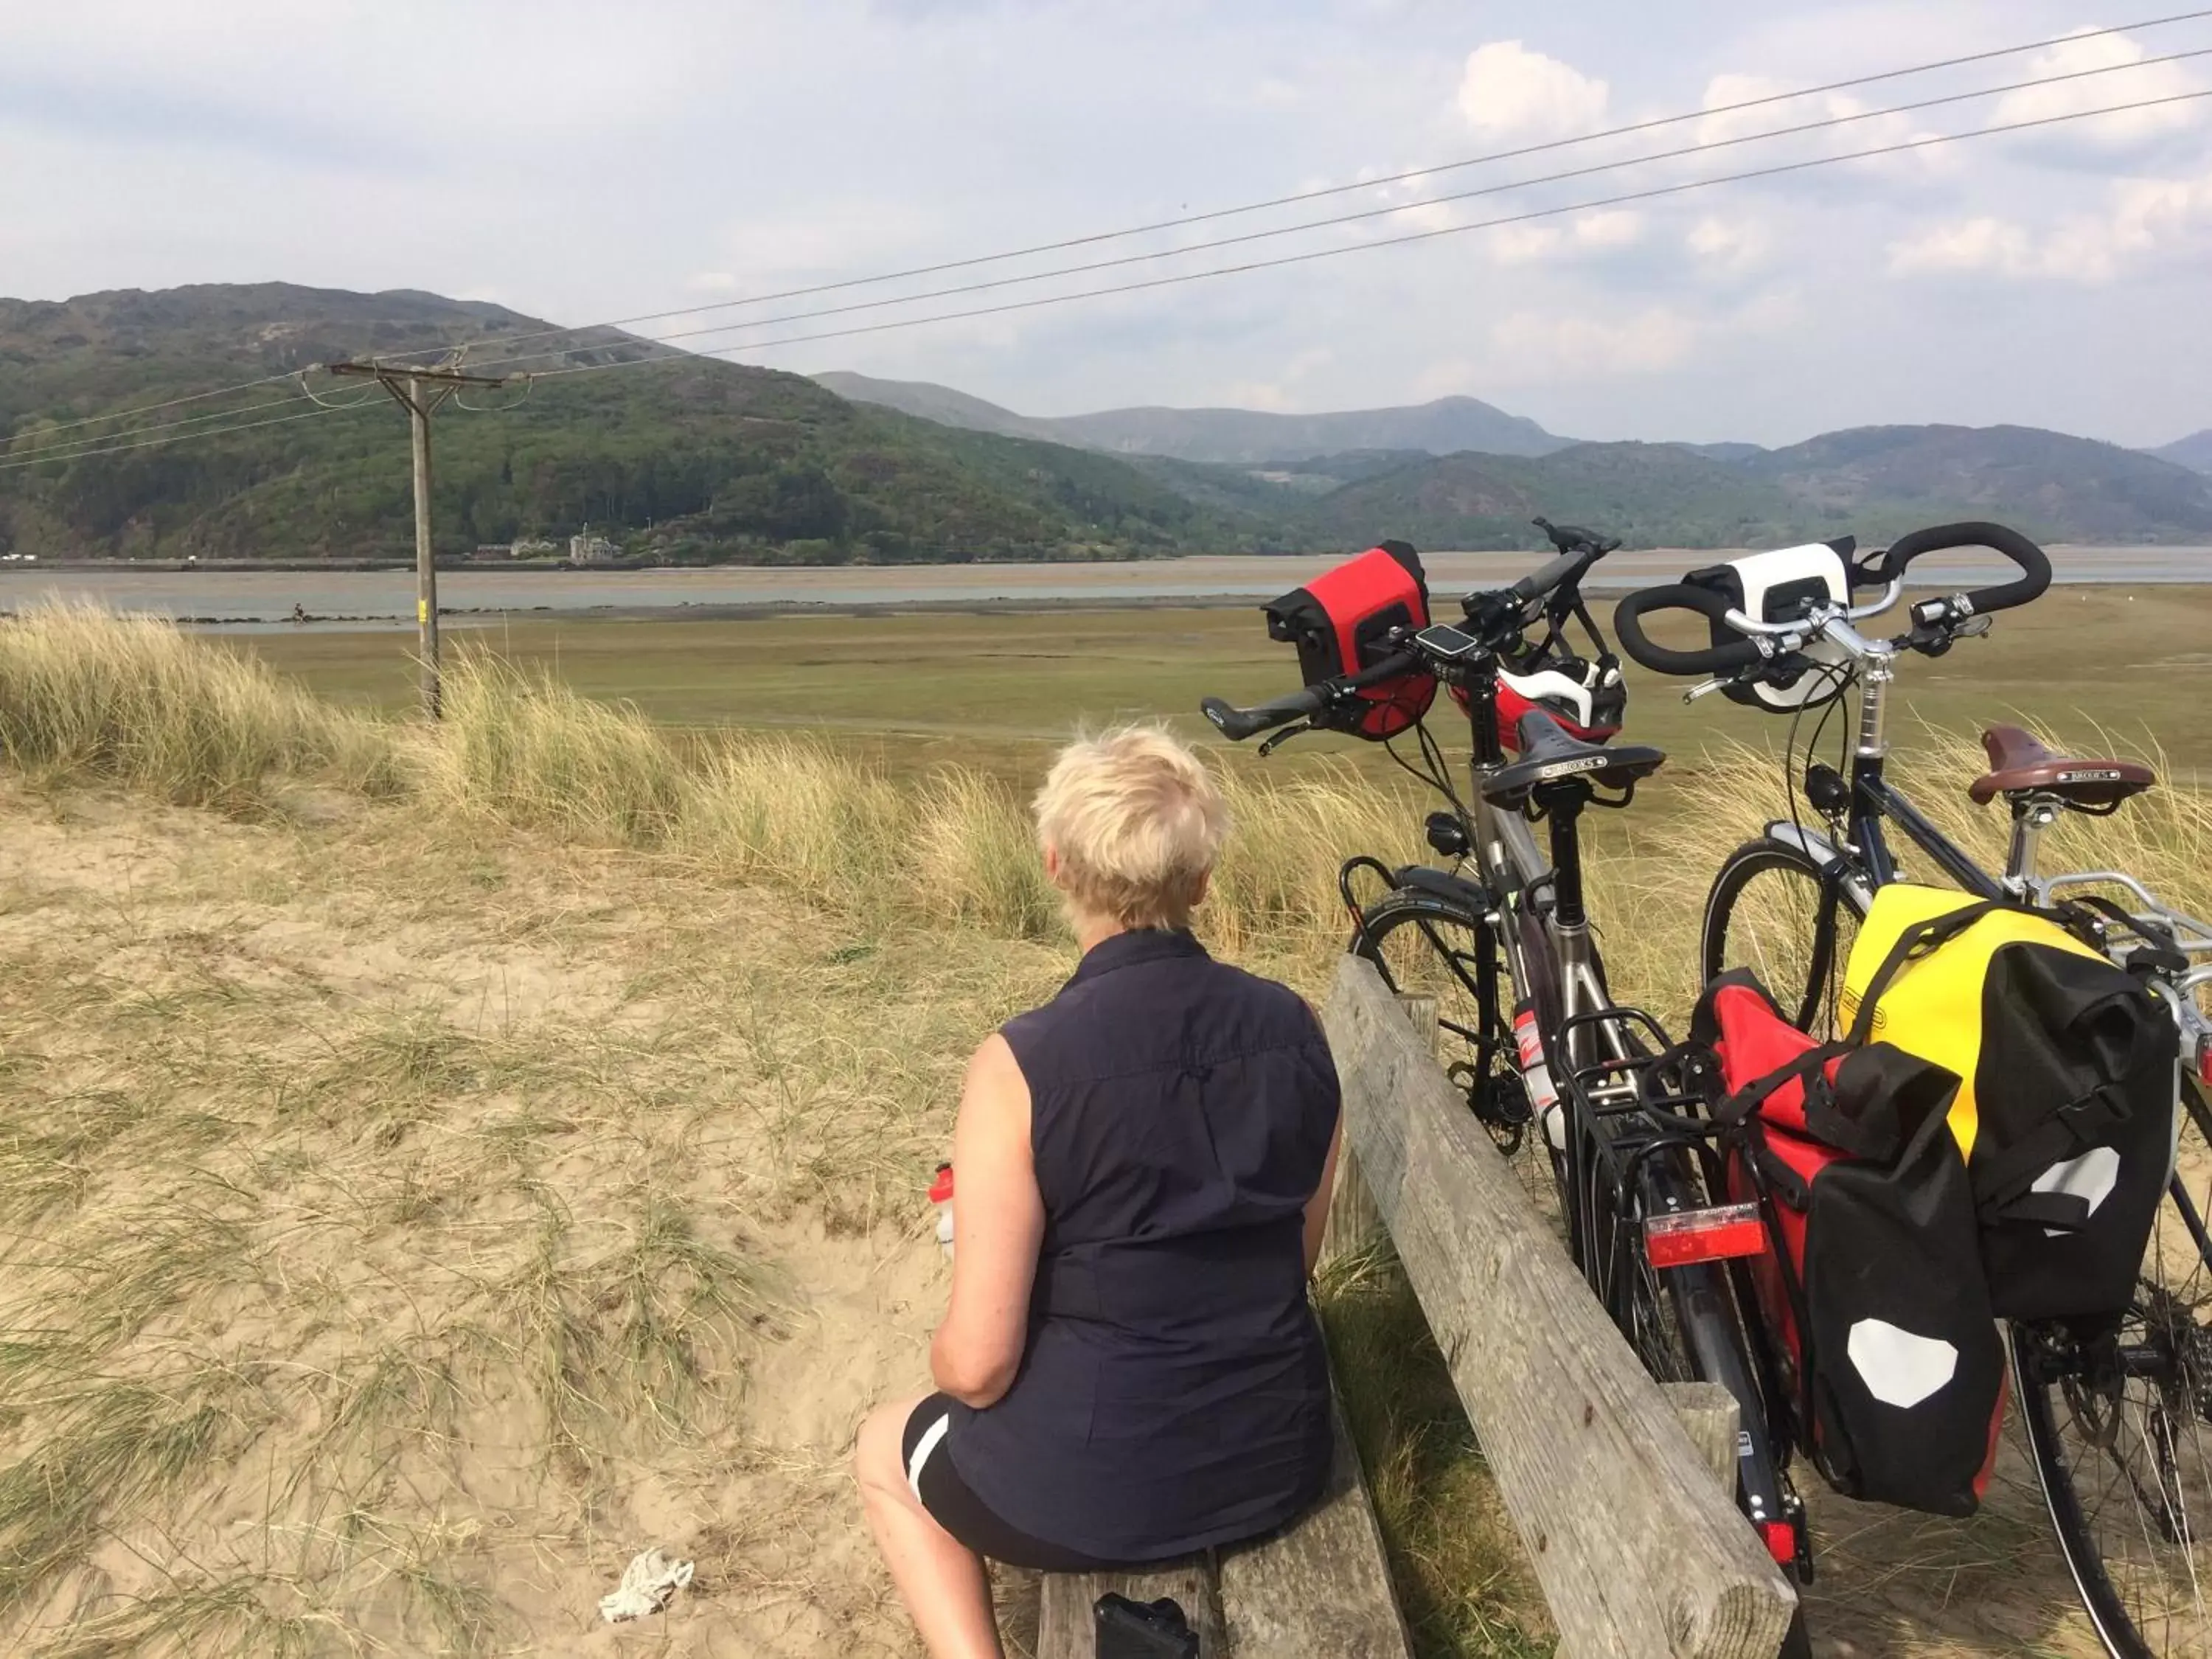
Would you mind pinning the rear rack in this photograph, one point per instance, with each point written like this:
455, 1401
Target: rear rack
1640, 1098
2155, 922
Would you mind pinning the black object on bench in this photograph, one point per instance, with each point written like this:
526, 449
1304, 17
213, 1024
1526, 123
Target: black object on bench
1137, 1630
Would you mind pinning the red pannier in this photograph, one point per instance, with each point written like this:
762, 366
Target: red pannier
1872, 1274
1340, 621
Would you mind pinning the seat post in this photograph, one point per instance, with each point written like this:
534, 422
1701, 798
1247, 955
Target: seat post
1563, 804
2032, 815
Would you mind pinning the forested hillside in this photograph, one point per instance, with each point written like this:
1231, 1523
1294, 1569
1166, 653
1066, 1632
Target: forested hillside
682, 459
692, 459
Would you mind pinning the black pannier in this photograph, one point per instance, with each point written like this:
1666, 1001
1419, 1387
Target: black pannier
1871, 1275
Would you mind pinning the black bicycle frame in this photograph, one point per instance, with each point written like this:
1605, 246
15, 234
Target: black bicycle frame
1872, 800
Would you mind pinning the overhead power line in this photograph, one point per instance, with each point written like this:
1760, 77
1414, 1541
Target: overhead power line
1336, 221
1308, 256
173, 403
1311, 255
180, 438
46, 434
1323, 192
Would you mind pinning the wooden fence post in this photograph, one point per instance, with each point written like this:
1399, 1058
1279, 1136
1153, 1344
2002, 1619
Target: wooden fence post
1354, 1226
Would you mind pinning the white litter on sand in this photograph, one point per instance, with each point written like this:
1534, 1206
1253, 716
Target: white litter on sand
649, 1583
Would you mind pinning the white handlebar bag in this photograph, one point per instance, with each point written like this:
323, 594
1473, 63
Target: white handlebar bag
1778, 586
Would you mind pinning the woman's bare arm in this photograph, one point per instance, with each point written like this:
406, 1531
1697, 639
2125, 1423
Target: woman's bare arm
1317, 1205
998, 1227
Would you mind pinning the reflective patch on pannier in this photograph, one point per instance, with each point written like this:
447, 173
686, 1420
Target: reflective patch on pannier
1898, 1367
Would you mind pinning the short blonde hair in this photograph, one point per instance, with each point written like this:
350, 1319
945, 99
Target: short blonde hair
1137, 822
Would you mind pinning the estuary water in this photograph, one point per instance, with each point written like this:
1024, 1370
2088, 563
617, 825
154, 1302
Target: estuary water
373, 598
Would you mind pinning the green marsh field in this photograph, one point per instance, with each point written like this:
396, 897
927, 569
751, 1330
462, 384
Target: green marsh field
996, 688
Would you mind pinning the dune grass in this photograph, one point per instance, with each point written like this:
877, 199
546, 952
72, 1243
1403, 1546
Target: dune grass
233, 1217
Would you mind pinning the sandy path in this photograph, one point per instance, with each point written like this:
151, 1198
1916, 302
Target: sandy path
778, 1084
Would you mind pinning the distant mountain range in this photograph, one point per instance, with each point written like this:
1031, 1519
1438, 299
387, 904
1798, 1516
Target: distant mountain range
688, 459
2194, 452
1232, 437
1460, 472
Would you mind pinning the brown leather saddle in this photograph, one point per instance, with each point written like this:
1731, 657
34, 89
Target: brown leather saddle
2022, 766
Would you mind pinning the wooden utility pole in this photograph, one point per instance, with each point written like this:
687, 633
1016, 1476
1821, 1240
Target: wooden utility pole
422, 393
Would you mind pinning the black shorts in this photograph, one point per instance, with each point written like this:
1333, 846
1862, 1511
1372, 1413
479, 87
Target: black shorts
957, 1509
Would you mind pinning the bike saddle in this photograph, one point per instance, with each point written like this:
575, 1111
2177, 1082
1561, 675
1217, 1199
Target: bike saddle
1549, 754
2022, 766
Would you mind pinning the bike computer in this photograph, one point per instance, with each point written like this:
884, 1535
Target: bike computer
1451, 644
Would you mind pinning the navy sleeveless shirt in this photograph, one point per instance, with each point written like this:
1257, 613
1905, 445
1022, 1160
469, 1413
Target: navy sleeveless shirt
1174, 1391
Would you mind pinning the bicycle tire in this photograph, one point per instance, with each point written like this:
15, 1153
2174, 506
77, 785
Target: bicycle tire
2075, 1409
1437, 965
1762, 912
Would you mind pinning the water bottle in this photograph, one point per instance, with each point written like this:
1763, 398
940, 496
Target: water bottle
1536, 1077
940, 1194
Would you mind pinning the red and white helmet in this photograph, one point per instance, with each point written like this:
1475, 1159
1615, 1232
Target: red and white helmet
1588, 699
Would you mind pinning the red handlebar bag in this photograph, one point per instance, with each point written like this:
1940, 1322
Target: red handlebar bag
1873, 1275
1341, 622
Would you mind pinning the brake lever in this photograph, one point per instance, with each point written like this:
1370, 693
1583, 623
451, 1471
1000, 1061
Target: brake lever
1708, 687
1276, 739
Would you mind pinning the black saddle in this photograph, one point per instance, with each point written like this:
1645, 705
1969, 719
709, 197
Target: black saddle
1549, 754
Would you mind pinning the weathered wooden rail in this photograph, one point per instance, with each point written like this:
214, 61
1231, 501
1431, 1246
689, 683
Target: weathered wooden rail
1638, 1549
1622, 1491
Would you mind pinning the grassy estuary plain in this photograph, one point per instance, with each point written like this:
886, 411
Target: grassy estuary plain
434, 1167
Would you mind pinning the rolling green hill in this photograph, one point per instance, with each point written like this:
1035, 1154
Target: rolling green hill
689, 458
686, 460
1874, 482
2057, 487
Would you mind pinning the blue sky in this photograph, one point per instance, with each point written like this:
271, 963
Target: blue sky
579, 161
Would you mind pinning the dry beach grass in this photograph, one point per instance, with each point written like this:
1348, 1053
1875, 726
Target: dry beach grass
461, 1160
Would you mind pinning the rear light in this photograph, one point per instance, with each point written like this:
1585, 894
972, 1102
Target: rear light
1685, 1237
1781, 1541
2204, 1060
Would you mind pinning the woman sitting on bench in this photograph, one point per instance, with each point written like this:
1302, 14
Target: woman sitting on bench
1129, 1371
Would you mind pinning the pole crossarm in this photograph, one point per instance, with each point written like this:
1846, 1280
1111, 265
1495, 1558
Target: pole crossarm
451, 377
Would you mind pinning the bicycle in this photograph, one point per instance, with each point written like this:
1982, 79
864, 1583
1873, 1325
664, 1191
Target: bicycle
2106, 1413
1560, 1074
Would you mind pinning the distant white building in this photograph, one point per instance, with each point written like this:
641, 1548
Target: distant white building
584, 548
530, 547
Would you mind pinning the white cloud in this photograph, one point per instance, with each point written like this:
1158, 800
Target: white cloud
1521, 245
1531, 345
2107, 132
1730, 246
1585, 234
2144, 219
1280, 393
1611, 229
1508, 94
1979, 244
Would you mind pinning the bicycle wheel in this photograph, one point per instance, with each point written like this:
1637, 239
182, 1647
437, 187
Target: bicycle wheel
1764, 912
1621, 1273
1424, 946
2119, 1423
1686, 1327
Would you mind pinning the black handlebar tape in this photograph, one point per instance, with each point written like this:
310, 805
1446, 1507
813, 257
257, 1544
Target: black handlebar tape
2034, 564
1238, 724
1547, 577
1628, 622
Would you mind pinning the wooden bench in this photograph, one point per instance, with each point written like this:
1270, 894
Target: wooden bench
1319, 1590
